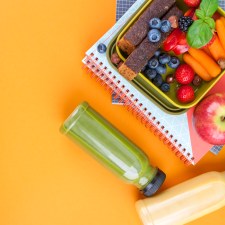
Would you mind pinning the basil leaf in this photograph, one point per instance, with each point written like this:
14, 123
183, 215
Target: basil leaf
199, 34
200, 14
210, 22
209, 7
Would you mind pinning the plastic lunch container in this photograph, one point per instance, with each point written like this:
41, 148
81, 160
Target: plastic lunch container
167, 99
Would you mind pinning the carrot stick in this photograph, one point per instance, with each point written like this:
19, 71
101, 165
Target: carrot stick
196, 66
223, 20
207, 62
217, 49
220, 27
206, 50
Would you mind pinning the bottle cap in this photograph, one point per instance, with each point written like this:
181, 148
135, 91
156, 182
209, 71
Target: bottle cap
156, 183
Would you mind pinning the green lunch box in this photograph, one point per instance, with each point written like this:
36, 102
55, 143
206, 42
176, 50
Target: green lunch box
168, 101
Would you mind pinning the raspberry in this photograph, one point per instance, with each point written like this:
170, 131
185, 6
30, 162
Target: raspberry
185, 94
184, 74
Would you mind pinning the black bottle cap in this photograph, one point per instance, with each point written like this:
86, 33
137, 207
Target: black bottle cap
156, 183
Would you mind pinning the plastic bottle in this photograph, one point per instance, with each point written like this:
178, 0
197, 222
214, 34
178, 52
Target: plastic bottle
112, 149
184, 202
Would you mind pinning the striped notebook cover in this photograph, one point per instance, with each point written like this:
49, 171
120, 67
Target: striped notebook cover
169, 128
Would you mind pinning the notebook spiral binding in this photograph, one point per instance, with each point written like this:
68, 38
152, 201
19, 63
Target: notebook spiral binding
110, 82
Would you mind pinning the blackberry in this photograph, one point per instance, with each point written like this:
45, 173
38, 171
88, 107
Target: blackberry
184, 23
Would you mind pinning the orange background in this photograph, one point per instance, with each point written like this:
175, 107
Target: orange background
44, 177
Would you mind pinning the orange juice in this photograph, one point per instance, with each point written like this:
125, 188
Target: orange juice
184, 202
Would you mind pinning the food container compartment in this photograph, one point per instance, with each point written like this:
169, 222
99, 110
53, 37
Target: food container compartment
153, 96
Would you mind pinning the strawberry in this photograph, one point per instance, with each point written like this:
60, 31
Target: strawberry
210, 42
184, 74
192, 3
185, 94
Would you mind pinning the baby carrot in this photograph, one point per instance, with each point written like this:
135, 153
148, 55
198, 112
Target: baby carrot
206, 50
206, 61
220, 27
216, 49
222, 19
197, 67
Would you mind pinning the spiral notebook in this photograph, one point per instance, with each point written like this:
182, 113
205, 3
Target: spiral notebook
175, 131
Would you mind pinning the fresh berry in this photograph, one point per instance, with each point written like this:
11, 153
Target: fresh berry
173, 21
164, 58
182, 45
165, 87
166, 26
155, 23
211, 41
154, 35
192, 3
150, 73
157, 53
115, 59
184, 23
174, 62
184, 74
161, 69
185, 94
101, 48
197, 81
144, 68
157, 81
153, 63
170, 78
172, 40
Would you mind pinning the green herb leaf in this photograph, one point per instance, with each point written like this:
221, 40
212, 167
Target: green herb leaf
210, 22
199, 34
209, 7
200, 14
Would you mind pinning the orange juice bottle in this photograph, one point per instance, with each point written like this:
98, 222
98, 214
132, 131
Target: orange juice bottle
184, 202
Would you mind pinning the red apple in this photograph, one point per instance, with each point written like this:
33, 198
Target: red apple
209, 119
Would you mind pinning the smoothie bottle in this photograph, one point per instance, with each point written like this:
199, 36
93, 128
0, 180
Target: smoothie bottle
184, 202
111, 148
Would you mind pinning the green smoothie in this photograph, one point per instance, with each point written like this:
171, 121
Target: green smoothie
109, 146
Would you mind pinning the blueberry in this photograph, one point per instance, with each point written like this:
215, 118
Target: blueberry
165, 87
164, 58
150, 73
157, 53
174, 62
166, 26
154, 35
101, 48
155, 23
161, 69
157, 81
153, 63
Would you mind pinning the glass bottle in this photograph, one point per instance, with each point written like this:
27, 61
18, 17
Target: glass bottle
184, 202
111, 148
